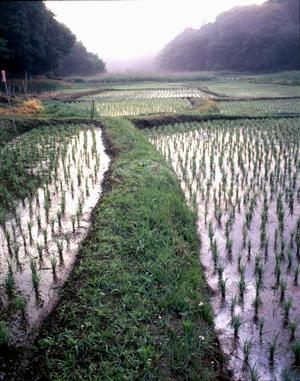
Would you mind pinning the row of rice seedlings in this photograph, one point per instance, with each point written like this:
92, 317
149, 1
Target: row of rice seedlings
117, 108
184, 92
39, 230
260, 107
243, 179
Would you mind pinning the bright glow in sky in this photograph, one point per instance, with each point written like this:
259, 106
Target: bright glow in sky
120, 30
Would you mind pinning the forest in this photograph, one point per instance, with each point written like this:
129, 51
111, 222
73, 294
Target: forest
254, 38
31, 40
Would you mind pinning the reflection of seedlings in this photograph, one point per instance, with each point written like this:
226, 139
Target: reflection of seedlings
296, 352
215, 253
87, 190
45, 235
293, 327
220, 270
282, 287
247, 346
63, 203
40, 251
73, 221
290, 260
256, 304
236, 323
261, 323
10, 281
254, 373
67, 237
35, 276
78, 214
29, 225
242, 285
60, 248
59, 216
229, 248
8, 241
287, 305
4, 335
272, 349
72, 189
249, 246
53, 262
233, 303
52, 224
296, 275
39, 222
286, 375
222, 285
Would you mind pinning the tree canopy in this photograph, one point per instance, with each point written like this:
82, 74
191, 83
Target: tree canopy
30, 38
80, 62
249, 38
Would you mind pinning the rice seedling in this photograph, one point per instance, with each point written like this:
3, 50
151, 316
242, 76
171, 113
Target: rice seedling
4, 335
45, 236
287, 305
247, 346
60, 248
242, 286
283, 287
53, 262
21, 305
35, 277
293, 324
254, 373
296, 275
222, 286
10, 281
286, 375
272, 348
236, 323
296, 352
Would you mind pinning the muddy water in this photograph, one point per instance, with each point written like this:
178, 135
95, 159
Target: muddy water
220, 148
50, 249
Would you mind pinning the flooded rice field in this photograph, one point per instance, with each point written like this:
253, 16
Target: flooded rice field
40, 236
243, 180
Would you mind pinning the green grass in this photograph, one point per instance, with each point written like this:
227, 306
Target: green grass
136, 307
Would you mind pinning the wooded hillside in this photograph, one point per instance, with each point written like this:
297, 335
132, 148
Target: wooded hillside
248, 38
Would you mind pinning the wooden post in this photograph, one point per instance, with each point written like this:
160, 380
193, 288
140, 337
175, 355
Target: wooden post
8, 99
26, 85
93, 109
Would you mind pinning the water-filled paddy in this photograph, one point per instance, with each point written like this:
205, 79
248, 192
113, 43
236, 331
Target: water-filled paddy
243, 180
40, 235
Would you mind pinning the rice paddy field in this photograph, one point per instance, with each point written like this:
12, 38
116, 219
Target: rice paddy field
242, 178
243, 88
50, 182
266, 107
203, 287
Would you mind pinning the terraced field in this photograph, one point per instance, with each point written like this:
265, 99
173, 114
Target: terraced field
267, 107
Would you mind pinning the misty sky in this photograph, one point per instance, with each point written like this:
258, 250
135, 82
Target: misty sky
121, 30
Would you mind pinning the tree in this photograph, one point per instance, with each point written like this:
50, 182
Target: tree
249, 38
80, 62
30, 38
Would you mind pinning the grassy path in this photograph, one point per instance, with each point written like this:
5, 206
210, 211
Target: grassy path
136, 306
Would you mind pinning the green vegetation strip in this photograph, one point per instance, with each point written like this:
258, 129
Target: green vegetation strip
136, 307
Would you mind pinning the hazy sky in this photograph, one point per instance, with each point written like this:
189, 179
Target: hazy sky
120, 30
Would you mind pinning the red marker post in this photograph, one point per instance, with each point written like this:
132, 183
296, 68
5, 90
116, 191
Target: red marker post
3, 78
